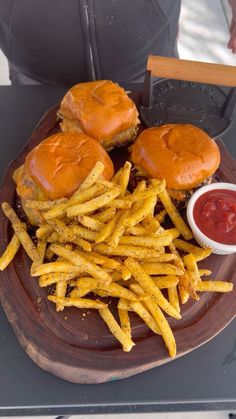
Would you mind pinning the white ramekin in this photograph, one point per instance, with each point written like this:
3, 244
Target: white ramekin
204, 241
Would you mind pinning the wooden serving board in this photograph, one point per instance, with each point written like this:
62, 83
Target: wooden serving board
75, 344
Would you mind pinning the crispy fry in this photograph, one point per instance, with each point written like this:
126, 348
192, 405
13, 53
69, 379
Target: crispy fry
160, 217
50, 267
150, 288
105, 215
166, 257
61, 288
167, 281
143, 313
161, 269
82, 263
44, 205
214, 286
147, 241
94, 204
160, 319
92, 176
44, 231
41, 249
76, 302
52, 278
174, 215
19, 229
77, 198
136, 217
10, 252
116, 290
107, 230
124, 177
125, 250
79, 293
119, 204
192, 269
68, 235
204, 272
125, 321
90, 223
118, 230
115, 329
198, 252
151, 224
174, 298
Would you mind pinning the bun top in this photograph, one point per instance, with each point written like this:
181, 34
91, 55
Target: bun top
60, 163
102, 108
184, 155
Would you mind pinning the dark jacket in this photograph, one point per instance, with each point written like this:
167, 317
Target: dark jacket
70, 41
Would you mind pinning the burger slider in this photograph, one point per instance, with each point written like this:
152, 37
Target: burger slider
102, 110
184, 155
56, 167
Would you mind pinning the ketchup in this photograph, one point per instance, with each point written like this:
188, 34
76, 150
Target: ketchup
214, 213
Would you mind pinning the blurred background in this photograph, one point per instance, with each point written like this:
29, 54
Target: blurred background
203, 34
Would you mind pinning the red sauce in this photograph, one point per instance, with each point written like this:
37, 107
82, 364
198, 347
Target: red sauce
214, 213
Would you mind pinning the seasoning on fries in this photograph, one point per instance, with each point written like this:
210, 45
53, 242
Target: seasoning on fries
105, 241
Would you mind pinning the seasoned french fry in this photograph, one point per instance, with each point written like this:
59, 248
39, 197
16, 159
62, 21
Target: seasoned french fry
161, 269
76, 302
44, 205
160, 319
160, 217
19, 229
174, 215
105, 215
174, 298
147, 241
90, 223
192, 269
136, 217
116, 290
41, 249
115, 329
94, 204
124, 177
167, 281
125, 250
92, 176
77, 198
52, 278
68, 234
143, 313
50, 267
61, 288
10, 252
204, 272
44, 231
79, 293
125, 321
107, 230
82, 263
118, 230
119, 203
150, 288
166, 257
198, 252
214, 286
125, 273
151, 224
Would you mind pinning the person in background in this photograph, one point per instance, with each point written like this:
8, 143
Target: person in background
71, 41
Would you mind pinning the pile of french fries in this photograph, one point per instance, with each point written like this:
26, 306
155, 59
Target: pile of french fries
108, 241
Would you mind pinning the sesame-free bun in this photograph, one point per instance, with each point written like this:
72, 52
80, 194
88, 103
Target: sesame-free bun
182, 154
102, 110
55, 169
60, 163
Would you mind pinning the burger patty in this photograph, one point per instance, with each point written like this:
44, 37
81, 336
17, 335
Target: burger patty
119, 140
180, 198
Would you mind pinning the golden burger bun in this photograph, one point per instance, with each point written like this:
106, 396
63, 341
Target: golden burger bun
182, 154
102, 110
56, 168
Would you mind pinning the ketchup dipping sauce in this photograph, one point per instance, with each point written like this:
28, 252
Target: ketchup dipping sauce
214, 213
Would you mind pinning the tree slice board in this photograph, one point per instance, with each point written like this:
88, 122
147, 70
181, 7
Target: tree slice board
76, 345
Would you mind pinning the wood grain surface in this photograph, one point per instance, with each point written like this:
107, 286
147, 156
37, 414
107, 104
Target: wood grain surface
76, 345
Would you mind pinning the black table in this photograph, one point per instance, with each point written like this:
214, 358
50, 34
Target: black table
202, 380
